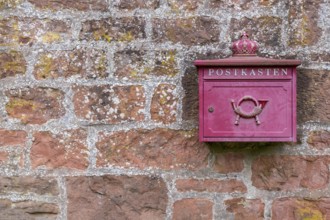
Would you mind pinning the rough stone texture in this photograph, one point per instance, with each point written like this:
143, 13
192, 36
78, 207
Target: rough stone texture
184, 5
12, 63
320, 57
164, 104
319, 139
81, 5
166, 63
12, 138
67, 149
234, 4
116, 197
187, 31
247, 209
4, 157
109, 104
28, 31
9, 4
301, 208
28, 210
35, 105
290, 172
228, 162
313, 95
135, 4
66, 64
268, 2
122, 29
159, 148
265, 29
303, 23
28, 184
82, 102
137, 64
211, 185
193, 209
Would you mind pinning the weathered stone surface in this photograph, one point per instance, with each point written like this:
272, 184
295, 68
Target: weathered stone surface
247, 209
164, 104
313, 95
109, 104
211, 185
114, 29
116, 197
12, 138
9, 4
165, 63
137, 64
28, 210
184, 5
229, 162
236, 4
193, 209
28, 184
159, 148
12, 63
303, 23
290, 172
28, 31
187, 31
264, 29
81, 5
4, 157
300, 208
52, 65
35, 105
67, 149
268, 2
320, 57
135, 4
319, 139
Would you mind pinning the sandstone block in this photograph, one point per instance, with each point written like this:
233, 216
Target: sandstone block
187, 31
116, 197
193, 209
164, 104
290, 172
12, 63
248, 209
110, 104
158, 148
122, 29
211, 185
35, 105
67, 149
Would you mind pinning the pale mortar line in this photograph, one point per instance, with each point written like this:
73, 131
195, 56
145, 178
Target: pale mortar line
171, 191
91, 141
27, 151
16, 197
63, 200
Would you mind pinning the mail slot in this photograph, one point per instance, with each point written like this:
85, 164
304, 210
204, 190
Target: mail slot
246, 98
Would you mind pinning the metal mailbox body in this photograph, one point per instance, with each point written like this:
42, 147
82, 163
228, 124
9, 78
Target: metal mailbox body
247, 99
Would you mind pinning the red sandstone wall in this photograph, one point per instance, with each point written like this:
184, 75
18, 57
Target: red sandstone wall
98, 111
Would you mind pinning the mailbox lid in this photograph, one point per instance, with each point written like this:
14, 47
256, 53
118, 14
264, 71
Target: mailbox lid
276, 117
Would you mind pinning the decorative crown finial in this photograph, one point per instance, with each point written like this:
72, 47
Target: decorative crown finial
244, 46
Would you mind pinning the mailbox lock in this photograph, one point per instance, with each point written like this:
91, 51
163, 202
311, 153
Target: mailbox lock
211, 109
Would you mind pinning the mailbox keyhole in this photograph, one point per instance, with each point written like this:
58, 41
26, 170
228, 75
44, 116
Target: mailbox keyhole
211, 109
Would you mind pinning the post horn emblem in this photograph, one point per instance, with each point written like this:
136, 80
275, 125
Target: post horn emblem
259, 106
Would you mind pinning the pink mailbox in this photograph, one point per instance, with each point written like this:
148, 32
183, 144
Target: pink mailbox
246, 97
